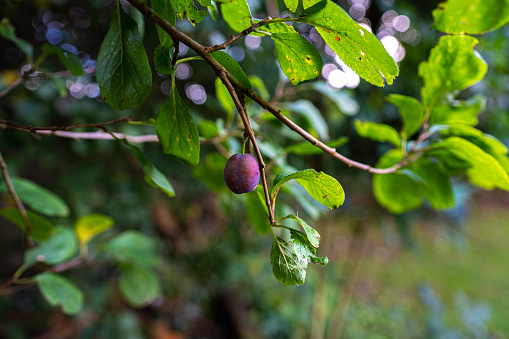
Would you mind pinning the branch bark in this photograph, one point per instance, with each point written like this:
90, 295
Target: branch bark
17, 201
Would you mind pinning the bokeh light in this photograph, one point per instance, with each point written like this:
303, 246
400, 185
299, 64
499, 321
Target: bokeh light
393, 47
401, 23
196, 93
252, 42
184, 71
237, 53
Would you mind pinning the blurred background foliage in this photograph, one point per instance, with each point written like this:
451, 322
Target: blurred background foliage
422, 274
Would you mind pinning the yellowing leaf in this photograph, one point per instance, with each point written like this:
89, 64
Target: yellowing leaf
87, 227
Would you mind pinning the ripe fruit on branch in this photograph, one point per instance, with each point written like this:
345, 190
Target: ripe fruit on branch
242, 173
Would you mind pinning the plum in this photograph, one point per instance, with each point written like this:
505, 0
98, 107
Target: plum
242, 173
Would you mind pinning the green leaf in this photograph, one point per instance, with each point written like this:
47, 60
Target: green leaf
8, 32
231, 66
207, 129
224, 98
356, 46
287, 267
162, 58
459, 111
278, 27
60, 86
38, 198
449, 163
123, 71
396, 192
61, 246
303, 249
165, 9
153, 176
59, 291
312, 115
132, 247
42, 228
486, 172
140, 20
411, 112
211, 172
306, 202
299, 60
309, 3
257, 213
306, 148
437, 185
237, 15
177, 131
292, 5
139, 285
205, 3
486, 142
322, 187
213, 11
89, 226
378, 132
258, 84
474, 17
69, 60
312, 235
453, 65
187, 8
343, 99
290, 259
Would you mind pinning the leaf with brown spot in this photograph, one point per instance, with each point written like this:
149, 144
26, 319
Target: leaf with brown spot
298, 59
349, 40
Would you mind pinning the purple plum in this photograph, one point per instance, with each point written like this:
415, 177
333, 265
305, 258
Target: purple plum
242, 173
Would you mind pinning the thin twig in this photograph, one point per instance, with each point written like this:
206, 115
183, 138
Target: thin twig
17, 201
6, 288
11, 87
234, 38
316, 142
13, 125
175, 53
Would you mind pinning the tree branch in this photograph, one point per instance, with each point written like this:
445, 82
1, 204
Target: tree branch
17, 201
13, 125
204, 52
234, 38
316, 142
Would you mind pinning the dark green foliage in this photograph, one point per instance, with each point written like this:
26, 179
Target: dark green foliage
123, 71
181, 260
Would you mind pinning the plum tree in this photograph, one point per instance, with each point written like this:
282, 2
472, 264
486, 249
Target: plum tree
242, 173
